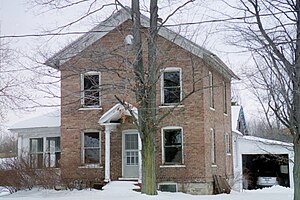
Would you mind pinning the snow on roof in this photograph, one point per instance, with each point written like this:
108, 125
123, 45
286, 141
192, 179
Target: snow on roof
267, 141
235, 113
43, 121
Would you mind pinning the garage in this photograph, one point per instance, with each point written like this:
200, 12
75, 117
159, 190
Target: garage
258, 162
262, 170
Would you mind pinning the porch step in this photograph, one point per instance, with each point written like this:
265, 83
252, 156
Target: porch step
127, 179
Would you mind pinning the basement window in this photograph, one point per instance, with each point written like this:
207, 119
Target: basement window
167, 187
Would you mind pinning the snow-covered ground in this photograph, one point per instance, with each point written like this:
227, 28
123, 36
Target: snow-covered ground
121, 190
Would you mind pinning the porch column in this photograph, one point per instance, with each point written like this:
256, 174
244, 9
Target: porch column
140, 158
107, 152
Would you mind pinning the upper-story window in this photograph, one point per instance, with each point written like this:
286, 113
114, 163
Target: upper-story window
211, 90
90, 89
171, 86
225, 97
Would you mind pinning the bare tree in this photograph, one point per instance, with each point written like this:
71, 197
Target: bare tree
270, 30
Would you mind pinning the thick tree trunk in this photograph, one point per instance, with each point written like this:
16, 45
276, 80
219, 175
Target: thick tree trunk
296, 111
146, 94
148, 141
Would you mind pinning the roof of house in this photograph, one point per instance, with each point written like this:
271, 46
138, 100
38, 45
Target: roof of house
267, 141
117, 19
51, 119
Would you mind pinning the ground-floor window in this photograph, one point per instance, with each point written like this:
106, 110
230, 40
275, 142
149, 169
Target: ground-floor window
91, 148
44, 152
172, 145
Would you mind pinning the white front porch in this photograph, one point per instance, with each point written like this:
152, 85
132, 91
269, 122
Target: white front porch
131, 144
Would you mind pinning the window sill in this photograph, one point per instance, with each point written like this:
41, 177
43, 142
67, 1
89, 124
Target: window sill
91, 166
171, 106
90, 108
214, 166
172, 166
228, 154
225, 114
212, 109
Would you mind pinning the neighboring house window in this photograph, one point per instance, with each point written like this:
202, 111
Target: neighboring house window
44, 154
90, 87
36, 152
227, 143
213, 146
225, 96
172, 145
211, 89
171, 86
91, 148
52, 152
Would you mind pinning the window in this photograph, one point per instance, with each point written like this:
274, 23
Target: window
171, 86
225, 96
211, 90
172, 146
36, 152
167, 187
227, 143
52, 152
213, 147
44, 154
91, 148
131, 149
90, 87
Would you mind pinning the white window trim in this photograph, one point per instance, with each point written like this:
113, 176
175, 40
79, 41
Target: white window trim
213, 146
211, 90
163, 149
89, 165
227, 144
169, 69
82, 103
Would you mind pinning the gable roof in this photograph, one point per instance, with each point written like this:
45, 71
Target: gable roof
120, 17
115, 113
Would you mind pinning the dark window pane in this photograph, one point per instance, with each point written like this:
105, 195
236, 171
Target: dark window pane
91, 90
36, 145
172, 137
53, 144
171, 79
172, 95
36, 160
91, 82
91, 156
91, 139
173, 155
91, 98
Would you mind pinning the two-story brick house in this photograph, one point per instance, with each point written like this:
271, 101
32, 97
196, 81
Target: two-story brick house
98, 137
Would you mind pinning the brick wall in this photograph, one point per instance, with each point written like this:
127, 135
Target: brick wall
112, 58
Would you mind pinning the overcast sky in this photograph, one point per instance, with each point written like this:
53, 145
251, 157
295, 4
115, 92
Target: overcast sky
17, 17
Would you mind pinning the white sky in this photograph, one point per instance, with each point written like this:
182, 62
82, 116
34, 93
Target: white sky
17, 17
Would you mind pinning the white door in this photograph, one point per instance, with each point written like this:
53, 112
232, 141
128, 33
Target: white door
130, 154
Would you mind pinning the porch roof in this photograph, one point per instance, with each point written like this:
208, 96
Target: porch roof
115, 113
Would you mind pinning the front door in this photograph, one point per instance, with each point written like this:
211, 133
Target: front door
130, 154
